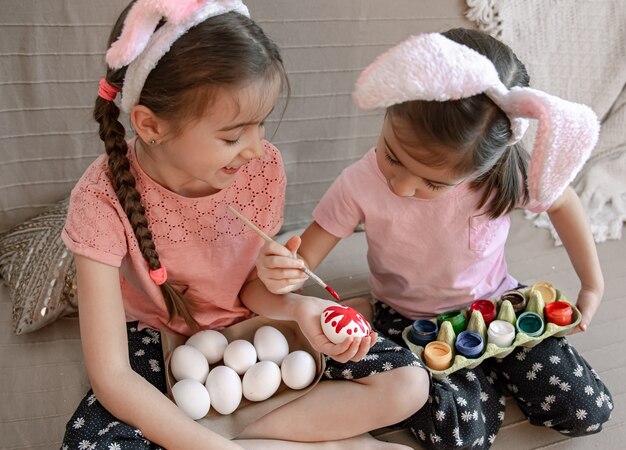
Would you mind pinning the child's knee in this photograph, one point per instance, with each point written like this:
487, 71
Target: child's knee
463, 411
407, 390
587, 416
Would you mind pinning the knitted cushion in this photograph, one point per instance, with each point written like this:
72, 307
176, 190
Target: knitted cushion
38, 270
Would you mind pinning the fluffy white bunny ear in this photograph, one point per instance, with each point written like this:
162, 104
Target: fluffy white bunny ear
567, 132
424, 67
429, 67
140, 23
140, 47
432, 67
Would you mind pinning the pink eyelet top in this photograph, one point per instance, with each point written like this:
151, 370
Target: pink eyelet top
207, 251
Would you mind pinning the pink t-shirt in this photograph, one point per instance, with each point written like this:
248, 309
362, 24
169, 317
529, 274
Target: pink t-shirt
425, 256
208, 252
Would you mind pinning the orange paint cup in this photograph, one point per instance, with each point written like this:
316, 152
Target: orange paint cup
559, 313
437, 355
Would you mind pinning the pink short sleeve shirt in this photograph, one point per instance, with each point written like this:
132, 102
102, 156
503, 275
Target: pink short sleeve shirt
207, 251
425, 256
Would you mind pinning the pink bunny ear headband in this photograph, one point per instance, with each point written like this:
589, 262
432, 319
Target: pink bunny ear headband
432, 67
140, 47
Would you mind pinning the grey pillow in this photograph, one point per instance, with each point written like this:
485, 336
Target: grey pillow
39, 270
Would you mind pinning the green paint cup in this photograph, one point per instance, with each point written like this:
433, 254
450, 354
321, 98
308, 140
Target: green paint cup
456, 319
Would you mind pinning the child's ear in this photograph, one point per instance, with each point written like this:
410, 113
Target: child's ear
146, 124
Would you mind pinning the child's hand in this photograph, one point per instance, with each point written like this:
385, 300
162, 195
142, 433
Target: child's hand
308, 318
588, 303
279, 269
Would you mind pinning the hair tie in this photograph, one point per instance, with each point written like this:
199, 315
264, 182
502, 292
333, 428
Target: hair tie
106, 90
159, 276
432, 67
140, 47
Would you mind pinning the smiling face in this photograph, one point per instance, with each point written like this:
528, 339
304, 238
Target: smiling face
398, 155
205, 156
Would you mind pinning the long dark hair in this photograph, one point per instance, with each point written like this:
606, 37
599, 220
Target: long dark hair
228, 51
475, 130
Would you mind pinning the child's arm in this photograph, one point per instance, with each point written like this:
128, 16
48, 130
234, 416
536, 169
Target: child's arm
282, 274
123, 392
570, 222
280, 271
306, 311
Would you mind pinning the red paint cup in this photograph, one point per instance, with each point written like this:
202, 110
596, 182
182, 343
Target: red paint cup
487, 308
559, 313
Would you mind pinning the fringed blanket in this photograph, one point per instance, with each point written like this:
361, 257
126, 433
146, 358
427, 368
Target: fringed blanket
575, 49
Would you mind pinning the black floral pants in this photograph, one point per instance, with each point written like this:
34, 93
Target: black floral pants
552, 384
93, 427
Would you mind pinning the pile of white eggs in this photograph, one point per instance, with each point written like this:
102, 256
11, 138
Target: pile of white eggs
250, 370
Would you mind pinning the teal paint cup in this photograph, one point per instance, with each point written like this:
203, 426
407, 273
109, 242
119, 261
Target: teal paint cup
530, 323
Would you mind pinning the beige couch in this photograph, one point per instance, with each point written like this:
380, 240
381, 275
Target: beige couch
51, 59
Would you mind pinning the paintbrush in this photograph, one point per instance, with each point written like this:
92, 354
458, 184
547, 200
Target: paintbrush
265, 237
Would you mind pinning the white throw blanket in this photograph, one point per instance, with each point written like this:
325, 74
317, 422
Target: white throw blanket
575, 49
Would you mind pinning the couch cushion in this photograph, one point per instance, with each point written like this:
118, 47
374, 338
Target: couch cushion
38, 270
42, 380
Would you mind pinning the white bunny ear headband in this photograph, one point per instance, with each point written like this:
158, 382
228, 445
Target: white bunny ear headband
432, 67
140, 47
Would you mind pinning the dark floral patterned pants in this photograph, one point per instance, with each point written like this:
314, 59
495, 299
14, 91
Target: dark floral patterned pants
552, 384
93, 427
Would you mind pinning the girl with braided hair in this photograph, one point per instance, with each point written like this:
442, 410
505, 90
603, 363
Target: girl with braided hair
156, 248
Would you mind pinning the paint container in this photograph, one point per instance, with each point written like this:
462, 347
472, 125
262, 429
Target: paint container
456, 318
422, 332
501, 333
517, 299
547, 291
437, 355
469, 344
530, 323
559, 313
486, 308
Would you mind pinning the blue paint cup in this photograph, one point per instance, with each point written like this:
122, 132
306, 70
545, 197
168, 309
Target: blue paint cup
469, 344
422, 332
530, 323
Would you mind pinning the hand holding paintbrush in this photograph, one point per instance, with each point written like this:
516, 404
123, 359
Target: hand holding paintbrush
265, 237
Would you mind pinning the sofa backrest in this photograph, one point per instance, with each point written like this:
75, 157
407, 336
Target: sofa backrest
52, 55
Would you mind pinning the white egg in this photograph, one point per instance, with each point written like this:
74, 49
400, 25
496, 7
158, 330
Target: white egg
298, 369
192, 397
240, 355
188, 362
261, 381
341, 322
224, 386
211, 343
270, 344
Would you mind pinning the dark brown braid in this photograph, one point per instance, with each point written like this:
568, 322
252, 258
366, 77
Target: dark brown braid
224, 51
112, 133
